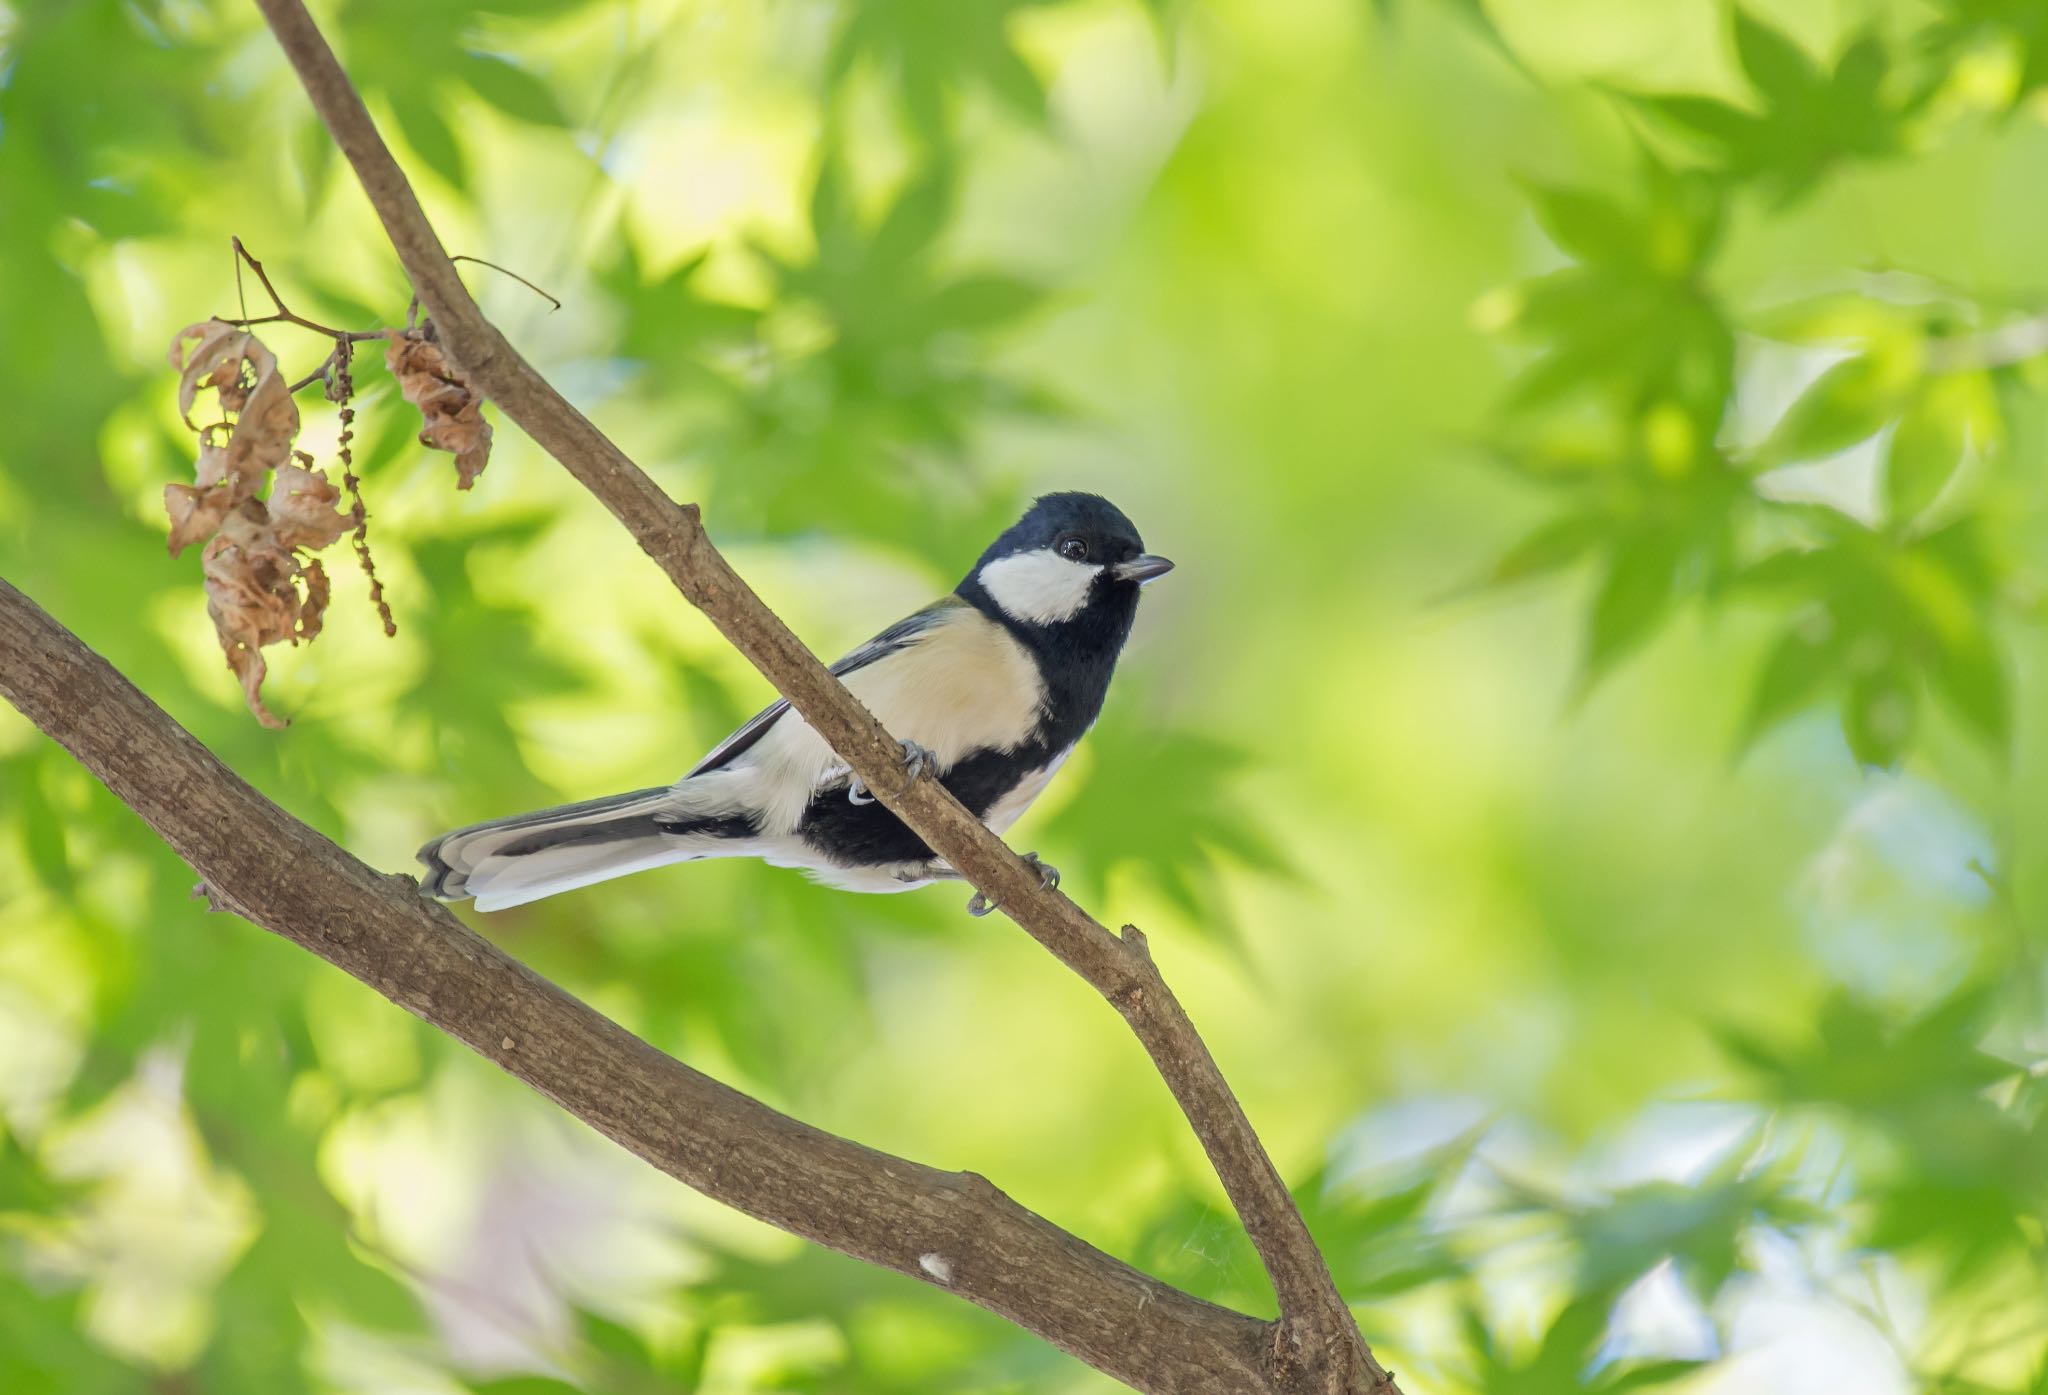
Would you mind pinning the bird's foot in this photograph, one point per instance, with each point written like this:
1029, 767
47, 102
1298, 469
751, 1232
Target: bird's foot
1048, 876
935, 871
916, 759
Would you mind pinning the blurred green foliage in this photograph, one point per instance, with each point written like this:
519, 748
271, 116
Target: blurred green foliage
1583, 776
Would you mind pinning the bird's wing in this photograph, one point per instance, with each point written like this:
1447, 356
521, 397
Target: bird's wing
897, 637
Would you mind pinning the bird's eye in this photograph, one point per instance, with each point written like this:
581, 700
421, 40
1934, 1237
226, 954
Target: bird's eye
1074, 549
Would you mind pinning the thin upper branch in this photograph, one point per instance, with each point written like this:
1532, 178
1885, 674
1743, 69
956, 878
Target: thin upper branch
2014, 342
1317, 1344
284, 314
950, 1229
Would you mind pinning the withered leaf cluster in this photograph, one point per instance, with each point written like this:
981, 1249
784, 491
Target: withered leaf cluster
452, 410
263, 586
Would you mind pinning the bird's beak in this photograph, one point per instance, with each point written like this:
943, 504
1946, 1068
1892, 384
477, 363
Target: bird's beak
1142, 568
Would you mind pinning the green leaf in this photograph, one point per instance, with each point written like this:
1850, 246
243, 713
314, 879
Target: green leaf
1585, 225
1808, 120
1878, 716
1728, 127
2018, 27
427, 131
1971, 681
40, 825
511, 89
914, 219
312, 158
1383, 1240
1632, 598
1650, 1373
1472, 12
1551, 547
1831, 317
1860, 71
612, 1340
1778, 66
935, 52
1162, 767
1701, 1225
1799, 666
1012, 80
982, 302
1848, 403
1925, 450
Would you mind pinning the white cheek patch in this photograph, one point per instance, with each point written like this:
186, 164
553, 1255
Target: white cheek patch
1041, 587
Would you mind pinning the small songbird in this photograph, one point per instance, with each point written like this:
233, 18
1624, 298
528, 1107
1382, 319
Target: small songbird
988, 689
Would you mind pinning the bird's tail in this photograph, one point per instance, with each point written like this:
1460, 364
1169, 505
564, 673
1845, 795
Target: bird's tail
509, 862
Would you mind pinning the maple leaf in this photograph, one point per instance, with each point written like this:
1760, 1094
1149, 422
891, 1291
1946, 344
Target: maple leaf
243, 376
1807, 119
2021, 25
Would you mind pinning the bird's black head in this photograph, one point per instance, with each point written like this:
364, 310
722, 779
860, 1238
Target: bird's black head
1070, 569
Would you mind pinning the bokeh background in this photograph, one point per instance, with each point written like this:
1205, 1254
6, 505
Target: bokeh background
1584, 778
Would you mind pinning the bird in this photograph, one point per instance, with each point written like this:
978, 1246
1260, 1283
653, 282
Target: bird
988, 689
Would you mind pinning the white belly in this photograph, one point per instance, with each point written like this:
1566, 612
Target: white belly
1011, 807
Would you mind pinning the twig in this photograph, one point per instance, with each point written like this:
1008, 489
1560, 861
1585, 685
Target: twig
341, 390
284, 315
344, 339
335, 371
1315, 1345
2006, 346
507, 271
325, 372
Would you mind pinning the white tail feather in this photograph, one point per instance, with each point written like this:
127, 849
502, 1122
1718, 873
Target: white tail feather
510, 862
514, 881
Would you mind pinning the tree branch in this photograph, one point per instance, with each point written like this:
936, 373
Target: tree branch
2012, 343
1315, 1345
953, 1230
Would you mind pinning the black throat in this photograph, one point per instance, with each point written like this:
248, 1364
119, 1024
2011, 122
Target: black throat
1075, 659
1076, 656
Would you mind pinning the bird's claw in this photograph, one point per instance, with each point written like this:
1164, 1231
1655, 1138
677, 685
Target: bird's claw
1048, 874
1048, 877
916, 760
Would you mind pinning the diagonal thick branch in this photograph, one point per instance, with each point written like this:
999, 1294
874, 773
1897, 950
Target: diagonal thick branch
1315, 1344
950, 1229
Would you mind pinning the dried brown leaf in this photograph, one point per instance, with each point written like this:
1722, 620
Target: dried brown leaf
313, 610
196, 514
237, 366
213, 458
215, 362
302, 509
267, 424
261, 586
252, 602
451, 410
